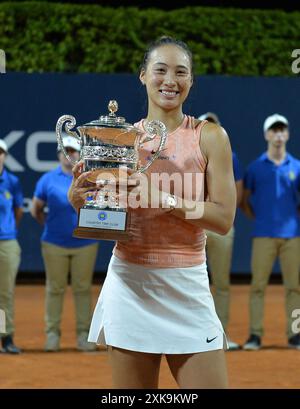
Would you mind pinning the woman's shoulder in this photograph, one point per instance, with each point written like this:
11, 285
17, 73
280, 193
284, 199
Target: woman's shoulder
214, 133
213, 137
197, 123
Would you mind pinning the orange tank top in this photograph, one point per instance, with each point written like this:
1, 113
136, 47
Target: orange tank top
159, 239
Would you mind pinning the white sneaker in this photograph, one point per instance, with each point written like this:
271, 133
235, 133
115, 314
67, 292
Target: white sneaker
83, 344
52, 343
232, 346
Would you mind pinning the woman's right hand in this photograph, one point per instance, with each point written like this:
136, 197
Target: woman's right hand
80, 187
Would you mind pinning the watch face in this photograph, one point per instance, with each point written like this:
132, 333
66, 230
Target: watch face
172, 201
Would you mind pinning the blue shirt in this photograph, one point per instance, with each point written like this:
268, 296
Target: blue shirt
61, 220
236, 168
11, 197
274, 196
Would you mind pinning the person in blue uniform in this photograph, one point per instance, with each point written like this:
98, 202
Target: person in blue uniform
62, 253
11, 211
272, 184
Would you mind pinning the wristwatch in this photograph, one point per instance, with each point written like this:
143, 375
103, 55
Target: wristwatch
170, 201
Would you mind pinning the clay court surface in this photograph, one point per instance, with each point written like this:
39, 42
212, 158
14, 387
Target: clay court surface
275, 366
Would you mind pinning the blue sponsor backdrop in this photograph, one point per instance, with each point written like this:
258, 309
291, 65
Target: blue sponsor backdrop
30, 105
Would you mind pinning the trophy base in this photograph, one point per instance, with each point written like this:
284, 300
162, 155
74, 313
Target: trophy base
102, 224
97, 234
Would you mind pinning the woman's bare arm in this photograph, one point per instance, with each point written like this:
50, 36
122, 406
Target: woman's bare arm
218, 213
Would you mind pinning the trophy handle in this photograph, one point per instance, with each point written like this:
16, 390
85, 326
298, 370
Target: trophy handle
69, 121
154, 128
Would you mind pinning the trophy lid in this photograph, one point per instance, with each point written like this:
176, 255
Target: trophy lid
110, 120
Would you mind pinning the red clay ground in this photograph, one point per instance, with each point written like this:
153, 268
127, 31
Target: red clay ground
275, 366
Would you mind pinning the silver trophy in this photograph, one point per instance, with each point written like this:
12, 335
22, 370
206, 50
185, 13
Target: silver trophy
109, 146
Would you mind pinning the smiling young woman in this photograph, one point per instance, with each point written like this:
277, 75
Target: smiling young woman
167, 75
156, 298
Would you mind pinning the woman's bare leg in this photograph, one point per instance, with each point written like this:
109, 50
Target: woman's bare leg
203, 370
134, 370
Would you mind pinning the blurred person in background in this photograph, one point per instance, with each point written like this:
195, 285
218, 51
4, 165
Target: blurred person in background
219, 250
11, 212
62, 253
272, 184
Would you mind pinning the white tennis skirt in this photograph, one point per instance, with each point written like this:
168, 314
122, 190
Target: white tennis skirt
157, 310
